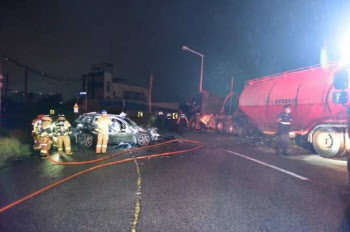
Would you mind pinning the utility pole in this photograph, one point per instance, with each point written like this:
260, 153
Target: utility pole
150, 94
26, 85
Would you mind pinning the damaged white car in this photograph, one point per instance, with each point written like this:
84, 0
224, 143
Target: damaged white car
123, 130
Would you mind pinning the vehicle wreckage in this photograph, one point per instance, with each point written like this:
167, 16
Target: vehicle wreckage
122, 131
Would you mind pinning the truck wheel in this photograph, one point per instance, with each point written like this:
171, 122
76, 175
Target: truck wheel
220, 127
143, 139
328, 142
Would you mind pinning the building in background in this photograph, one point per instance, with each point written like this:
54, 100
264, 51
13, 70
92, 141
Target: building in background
104, 90
130, 93
100, 84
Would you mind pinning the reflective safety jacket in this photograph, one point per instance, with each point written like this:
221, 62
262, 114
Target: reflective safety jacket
182, 120
62, 128
37, 127
285, 123
102, 125
47, 131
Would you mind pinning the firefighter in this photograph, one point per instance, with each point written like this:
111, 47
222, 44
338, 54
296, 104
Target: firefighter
168, 121
160, 120
102, 127
284, 127
182, 121
62, 131
38, 118
46, 135
37, 124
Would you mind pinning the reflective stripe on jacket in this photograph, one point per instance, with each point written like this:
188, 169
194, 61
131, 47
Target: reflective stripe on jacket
102, 125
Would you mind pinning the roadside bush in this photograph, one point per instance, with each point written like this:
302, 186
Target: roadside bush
11, 149
21, 135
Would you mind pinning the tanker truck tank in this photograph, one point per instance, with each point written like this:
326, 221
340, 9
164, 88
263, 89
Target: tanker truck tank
318, 98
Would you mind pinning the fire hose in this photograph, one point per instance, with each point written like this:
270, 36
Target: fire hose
154, 155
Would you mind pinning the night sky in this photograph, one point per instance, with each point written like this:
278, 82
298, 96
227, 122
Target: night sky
244, 39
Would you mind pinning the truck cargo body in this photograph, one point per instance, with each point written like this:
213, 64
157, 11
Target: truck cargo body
310, 93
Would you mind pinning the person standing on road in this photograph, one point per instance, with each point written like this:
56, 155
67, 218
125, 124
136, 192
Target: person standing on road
37, 124
102, 127
168, 122
62, 130
160, 121
284, 127
182, 121
46, 136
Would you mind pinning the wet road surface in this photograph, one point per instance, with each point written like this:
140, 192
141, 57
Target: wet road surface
226, 186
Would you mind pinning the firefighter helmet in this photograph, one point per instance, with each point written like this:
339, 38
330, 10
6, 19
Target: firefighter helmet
40, 116
61, 117
47, 118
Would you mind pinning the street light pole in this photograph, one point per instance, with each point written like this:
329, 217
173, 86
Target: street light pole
185, 48
201, 77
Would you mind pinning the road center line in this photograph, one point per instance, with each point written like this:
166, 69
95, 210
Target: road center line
269, 165
138, 197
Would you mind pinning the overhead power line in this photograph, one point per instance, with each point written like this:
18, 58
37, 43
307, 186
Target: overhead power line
41, 73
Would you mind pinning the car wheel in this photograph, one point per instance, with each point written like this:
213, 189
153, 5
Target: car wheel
89, 140
143, 139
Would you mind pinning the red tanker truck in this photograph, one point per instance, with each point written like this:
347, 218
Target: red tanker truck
318, 97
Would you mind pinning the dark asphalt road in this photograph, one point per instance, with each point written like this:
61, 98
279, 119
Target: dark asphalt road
226, 186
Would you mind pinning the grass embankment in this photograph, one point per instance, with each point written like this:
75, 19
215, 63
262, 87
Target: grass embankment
13, 146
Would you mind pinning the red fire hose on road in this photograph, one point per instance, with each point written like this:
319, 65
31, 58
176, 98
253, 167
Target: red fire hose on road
200, 145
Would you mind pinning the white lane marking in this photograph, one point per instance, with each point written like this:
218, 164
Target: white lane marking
269, 165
